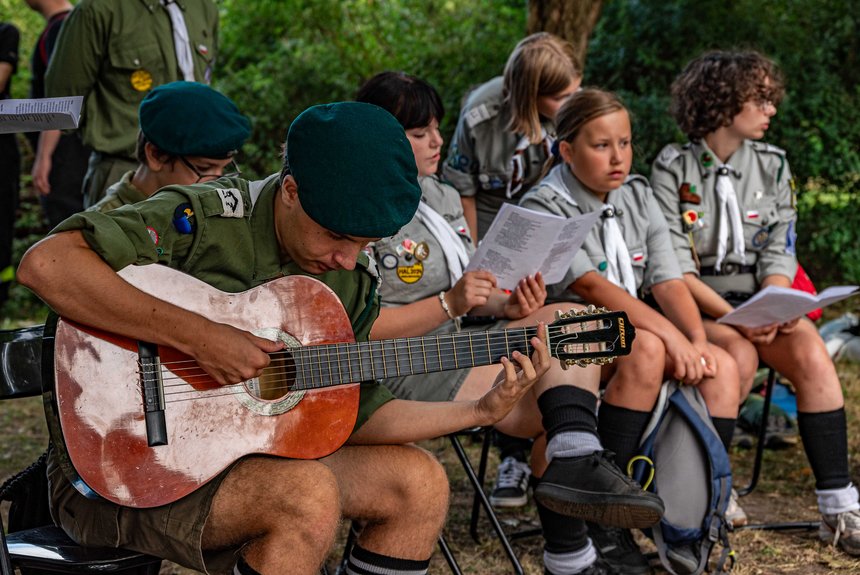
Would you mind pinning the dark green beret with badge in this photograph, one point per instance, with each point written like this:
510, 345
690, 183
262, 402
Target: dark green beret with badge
354, 169
192, 119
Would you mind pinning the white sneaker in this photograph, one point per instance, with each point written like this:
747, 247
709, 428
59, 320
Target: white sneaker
735, 514
512, 482
843, 530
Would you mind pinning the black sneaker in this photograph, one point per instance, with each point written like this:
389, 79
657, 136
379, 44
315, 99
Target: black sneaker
599, 567
617, 547
592, 488
512, 482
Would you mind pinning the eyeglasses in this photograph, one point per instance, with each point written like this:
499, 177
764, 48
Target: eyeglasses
764, 104
231, 170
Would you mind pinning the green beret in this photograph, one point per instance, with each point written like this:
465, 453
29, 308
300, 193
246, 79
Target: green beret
354, 169
191, 119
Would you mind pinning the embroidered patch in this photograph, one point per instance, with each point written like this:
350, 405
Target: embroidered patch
411, 274
477, 115
231, 201
181, 219
687, 194
389, 261
638, 257
153, 235
761, 238
752, 214
707, 159
667, 156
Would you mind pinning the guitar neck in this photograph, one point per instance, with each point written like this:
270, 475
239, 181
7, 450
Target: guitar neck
326, 365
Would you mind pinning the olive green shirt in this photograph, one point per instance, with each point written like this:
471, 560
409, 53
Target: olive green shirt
479, 159
223, 233
684, 182
113, 52
120, 194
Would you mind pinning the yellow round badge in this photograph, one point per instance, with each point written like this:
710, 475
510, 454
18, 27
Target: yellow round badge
141, 80
410, 274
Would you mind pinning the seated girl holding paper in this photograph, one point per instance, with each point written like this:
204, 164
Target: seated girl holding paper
729, 201
424, 291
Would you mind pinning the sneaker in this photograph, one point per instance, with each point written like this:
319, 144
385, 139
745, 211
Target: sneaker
735, 514
599, 567
592, 488
684, 560
618, 549
843, 530
512, 481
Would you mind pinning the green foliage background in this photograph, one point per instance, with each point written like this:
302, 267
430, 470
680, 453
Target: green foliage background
279, 56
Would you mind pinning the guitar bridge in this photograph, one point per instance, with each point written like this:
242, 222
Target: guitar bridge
152, 388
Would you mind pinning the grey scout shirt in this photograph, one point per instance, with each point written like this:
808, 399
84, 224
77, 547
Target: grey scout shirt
406, 279
641, 222
479, 159
684, 181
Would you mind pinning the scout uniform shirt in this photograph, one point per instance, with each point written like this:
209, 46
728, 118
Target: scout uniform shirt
113, 53
411, 263
684, 180
642, 226
223, 233
120, 194
479, 160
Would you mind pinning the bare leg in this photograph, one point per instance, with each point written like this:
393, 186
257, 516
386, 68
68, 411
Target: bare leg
739, 348
635, 379
284, 511
722, 392
399, 492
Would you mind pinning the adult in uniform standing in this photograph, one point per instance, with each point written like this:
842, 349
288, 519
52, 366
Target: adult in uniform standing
113, 54
234, 234
189, 133
505, 129
10, 161
60, 160
729, 201
630, 253
424, 287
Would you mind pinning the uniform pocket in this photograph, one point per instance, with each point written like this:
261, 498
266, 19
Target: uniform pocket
136, 68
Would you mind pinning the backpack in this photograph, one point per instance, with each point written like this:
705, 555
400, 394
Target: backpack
689, 469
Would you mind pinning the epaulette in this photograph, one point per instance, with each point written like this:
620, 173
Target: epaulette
770, 148
224, 202
668, 155
480, 113
637, 180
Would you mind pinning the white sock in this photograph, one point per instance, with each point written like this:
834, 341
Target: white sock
572, 444
835, 501
572, 562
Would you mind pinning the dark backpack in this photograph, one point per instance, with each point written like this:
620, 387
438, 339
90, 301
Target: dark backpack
689, 469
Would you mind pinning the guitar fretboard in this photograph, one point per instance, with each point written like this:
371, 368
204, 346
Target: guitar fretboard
326, 365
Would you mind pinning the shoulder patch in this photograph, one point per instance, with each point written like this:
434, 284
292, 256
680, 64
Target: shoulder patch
769, 148
476, 115
668, 155
231, 202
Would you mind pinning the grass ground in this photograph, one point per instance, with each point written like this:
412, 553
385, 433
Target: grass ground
785, 493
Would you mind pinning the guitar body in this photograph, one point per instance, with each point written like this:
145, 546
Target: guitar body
98, 407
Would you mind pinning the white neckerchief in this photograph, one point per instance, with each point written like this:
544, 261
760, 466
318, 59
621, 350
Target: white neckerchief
619, 269
730, 215
518, 164
449, 240
181, 45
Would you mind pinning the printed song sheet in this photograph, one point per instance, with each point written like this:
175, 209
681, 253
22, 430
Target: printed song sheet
40, 114
522, 242
779, 305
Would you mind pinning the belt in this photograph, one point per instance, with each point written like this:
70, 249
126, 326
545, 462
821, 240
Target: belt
729, 269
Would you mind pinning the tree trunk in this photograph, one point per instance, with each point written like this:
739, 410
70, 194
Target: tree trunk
572, 20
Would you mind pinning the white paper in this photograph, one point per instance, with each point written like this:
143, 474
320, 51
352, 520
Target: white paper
522, 242
40, 114
779, 305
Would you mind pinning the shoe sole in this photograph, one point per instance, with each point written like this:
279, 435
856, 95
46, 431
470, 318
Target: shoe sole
629, 512
825, 533
507, 502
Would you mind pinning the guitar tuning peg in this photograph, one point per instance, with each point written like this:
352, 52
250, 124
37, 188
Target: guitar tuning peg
560, 315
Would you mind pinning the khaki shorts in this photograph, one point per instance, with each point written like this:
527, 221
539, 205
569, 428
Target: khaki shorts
440, 386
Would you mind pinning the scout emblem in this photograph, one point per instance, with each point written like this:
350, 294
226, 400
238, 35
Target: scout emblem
687, 193
410, 274
153, 234
141, 80
181, 220
762, 236
421, 251
707, 159
389, 261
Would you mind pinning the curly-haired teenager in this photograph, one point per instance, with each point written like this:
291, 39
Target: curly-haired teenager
729, 200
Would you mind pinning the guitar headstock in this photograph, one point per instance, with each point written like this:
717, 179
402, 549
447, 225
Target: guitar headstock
590, 336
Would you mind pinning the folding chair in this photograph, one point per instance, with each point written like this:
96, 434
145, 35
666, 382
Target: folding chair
757, 467
47, 548
481, 501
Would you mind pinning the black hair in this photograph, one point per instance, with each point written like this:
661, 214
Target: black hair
411, 100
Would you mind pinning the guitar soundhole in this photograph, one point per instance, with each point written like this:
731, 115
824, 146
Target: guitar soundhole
277, 379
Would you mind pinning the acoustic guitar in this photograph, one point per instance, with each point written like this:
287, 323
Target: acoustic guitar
143, 425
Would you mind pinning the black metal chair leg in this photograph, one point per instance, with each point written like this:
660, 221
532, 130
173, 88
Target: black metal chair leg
449, 556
